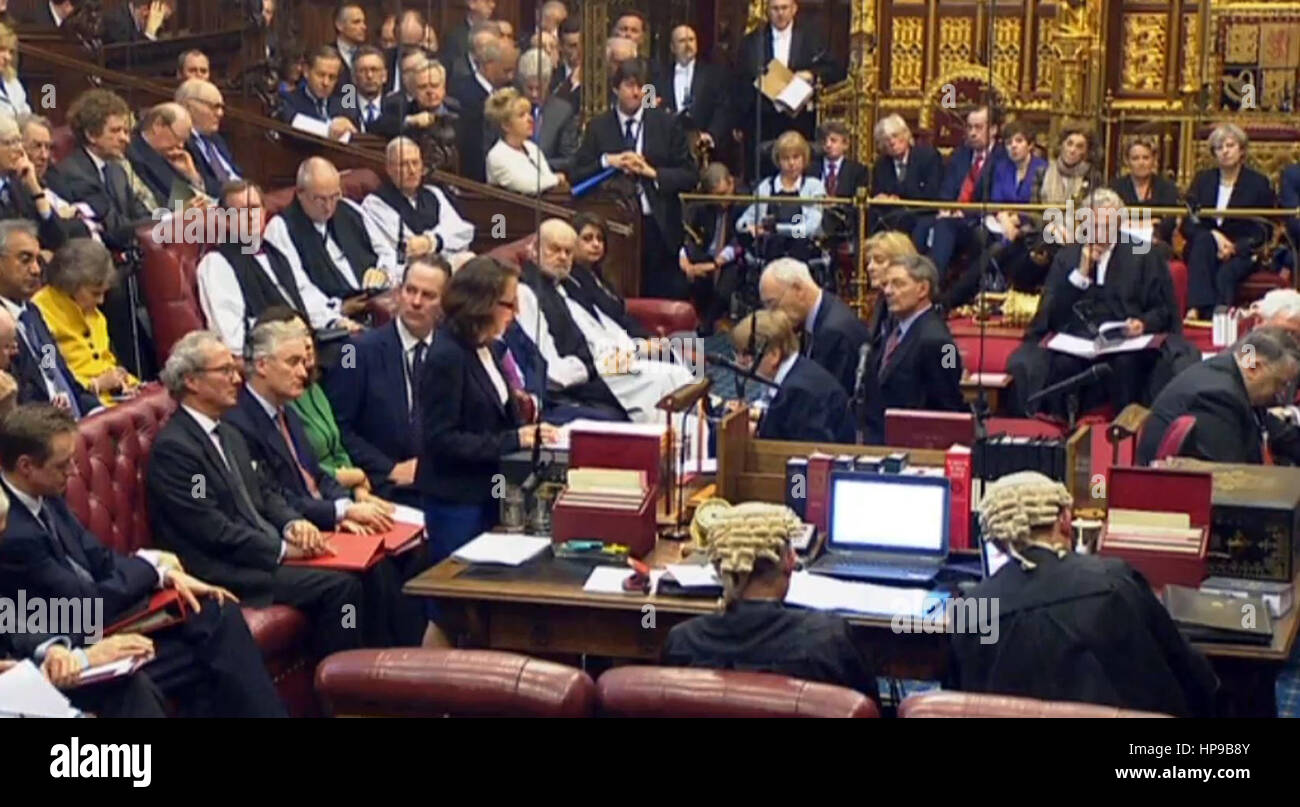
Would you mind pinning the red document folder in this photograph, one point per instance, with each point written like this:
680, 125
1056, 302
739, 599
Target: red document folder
352, 553
402, 537
164, 609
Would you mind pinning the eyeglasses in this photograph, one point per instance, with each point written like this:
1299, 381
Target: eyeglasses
225, 369
11, 142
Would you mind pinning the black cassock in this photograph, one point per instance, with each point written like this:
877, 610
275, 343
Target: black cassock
1083, 628
1137, 286
765, 636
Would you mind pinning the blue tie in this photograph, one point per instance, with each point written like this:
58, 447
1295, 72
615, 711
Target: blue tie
46, 357
537, 123
629, 136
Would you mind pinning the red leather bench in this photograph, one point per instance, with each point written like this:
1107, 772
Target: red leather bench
972, 704
106, 490
689, 692
415, 682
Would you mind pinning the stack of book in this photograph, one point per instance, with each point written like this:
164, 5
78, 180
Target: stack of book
618, 489
607, 504
1165, 547
1003, 454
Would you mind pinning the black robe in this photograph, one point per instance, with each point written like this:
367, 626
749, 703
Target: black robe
1083, 628
765, 636
348, 230
1138, 287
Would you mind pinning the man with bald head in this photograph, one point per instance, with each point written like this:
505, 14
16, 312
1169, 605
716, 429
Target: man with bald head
327, 237
410, 38
456, 44
157, 152
412, 218
494, 59
694, 90
213, 158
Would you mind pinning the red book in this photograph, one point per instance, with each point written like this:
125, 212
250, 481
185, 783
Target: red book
164, 609
402, 537
922, 428
581, 518
957, 467
632, 446
819, 490
352, 553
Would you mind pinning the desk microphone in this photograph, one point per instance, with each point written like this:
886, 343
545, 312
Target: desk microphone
722, 361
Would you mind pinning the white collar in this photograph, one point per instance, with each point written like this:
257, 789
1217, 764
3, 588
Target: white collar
409, 339
271, 411
16, 309
322, 227
835, 163
99, 163
789, 29
684, 68
345, 49
54, 12
206, 423
623, 117
32, 503
483, 82
783, 370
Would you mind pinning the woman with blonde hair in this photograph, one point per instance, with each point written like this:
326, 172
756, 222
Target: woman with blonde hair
884, 248
790, 227
516, 163
13, 98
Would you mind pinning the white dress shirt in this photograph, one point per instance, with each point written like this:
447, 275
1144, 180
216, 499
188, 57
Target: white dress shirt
1221, 201
483, 82
13, 98
683, 75
494, 375
781, 41
638, 126
58, 20
222, 301
16, 310
346, 52
525, 172
1098, 271
409, 342
561, 371
454, 232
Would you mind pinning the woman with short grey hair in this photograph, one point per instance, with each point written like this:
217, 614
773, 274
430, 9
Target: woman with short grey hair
81, 274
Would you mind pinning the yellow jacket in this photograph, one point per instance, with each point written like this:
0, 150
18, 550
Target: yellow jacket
82, 338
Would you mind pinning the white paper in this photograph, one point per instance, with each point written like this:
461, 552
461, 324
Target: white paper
823, 593
609, 580
693, 576
505, 549
1087, 348
796, 93
403, 514
988, 379
25, 692
310, 125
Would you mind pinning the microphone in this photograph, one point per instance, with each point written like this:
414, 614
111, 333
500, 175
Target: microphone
722, 361
1094, 373
401, 243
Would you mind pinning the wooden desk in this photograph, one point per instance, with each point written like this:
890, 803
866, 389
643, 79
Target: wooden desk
995, 387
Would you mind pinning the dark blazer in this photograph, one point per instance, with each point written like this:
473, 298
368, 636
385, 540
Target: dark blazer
1252, 190
267, 448
1228, 427
809, 406
32, 559
924, 372
466, 429
118, 25
300, 102
76, 179
837, 339
559, 135
53, 232
210, 181
471, 135
1163, 194
922, 181
453, 47
808, 51
26, 368
959, 166
369, 402
853, 175
710, 106
664, 147
1289, 191
395, 108
215, 535
41, 17
152, 168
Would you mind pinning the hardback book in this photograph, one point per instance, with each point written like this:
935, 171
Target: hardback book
1279, 597
1209, 618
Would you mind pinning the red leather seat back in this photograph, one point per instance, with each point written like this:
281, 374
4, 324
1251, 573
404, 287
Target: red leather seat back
169, 283
683, 692
1175, 435
972, 704
456, 683
62, 143
354, 183
662, 317
106, 484
1178, 273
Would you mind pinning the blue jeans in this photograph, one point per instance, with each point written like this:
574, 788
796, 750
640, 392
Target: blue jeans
451, 526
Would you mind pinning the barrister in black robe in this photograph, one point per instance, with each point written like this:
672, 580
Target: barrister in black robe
1122, 285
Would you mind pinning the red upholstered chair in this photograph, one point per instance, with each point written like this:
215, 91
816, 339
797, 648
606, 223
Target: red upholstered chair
1178, 271
62, 143
418, 682
1175, 435
107, 492
971, 704
689, 692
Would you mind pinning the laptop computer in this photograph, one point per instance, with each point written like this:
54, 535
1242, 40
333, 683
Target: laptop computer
886, 527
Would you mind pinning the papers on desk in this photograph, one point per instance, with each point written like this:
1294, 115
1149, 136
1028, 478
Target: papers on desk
403, 514
320, 128
501, 548
609, 580
24, 692
693, 576
1090, 349
822, 593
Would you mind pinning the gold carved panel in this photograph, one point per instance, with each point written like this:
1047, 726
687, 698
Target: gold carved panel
1268, 158
1006, 50
954, 42
1242, 44
1191, 52
1279, 45
906, 54
1144, 52
1046, 59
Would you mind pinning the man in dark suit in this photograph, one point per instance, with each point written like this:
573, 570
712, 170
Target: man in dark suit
556, 131
193, 63
1107, 280
48, 553
91, 173
410, 39
374, 397
831, 334
239, 532
211, 155
23, 197
905, 169
969, 178
919, 366
50, 15
455, 44
132, 695
695, 91
841, 176
135, 21
1233, 397
42, 374
649, 146
423, 111
370, 78
495, 58
350, 25
802, 49
566, 80
1289, 195
316, 97
157, 151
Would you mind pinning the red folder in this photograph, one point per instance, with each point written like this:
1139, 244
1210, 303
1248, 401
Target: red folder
352, 553
164, 609
402, 537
